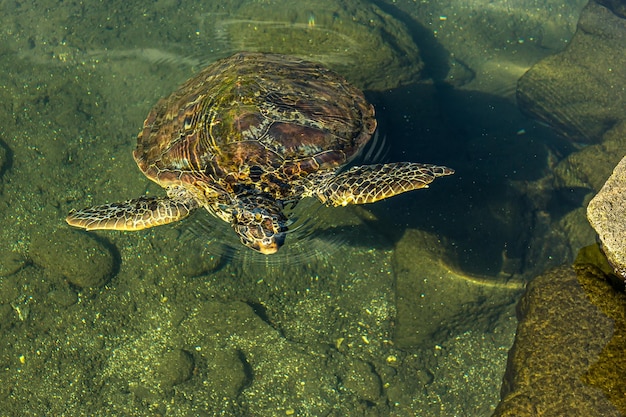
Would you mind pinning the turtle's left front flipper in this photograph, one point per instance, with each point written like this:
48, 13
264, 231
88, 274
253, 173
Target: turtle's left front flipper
370, 183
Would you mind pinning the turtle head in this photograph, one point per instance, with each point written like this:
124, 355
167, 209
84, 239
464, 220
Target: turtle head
260, 224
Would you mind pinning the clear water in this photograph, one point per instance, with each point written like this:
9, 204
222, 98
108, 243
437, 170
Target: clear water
404, 307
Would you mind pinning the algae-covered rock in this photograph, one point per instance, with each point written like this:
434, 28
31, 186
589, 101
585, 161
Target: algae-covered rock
63, 296
279, 369
616, 6
176, 367
12, 261
608, 372
228, 371
590, 166
434, 300
76, 256
356, 38
562, 333
361, 378
606, 213
579, 92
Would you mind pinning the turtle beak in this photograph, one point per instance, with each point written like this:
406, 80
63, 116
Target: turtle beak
269, 246
259, 238
266, 245
260, 224
267, 250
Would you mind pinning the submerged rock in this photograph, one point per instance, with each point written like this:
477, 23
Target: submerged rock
361, 379
356, 38
617, 6
561, 363
78, 257
12, 261
579, 92
228, 370
176, 367
436, 300
591, 166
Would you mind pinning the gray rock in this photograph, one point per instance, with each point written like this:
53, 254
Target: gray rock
606, 213
76, 256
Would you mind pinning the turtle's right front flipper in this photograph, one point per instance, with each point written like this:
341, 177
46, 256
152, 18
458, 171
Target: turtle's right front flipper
139, 213
370, 183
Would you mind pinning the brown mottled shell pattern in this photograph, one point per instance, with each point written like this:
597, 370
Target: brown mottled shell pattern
253, 119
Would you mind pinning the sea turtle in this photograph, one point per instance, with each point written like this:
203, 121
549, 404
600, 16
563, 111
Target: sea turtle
249, 134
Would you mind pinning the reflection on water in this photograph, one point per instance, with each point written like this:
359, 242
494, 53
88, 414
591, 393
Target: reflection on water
403, 307
312, 234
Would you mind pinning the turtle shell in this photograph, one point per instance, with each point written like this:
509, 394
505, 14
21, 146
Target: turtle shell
254, 120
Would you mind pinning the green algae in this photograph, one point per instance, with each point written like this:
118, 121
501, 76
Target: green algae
606, 292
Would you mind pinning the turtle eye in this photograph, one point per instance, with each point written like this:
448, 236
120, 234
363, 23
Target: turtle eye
187, 123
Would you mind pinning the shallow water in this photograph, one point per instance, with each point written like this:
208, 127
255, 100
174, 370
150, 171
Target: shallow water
402, 307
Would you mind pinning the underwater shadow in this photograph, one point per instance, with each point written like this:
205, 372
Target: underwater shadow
6, 161
487, 211
434, 56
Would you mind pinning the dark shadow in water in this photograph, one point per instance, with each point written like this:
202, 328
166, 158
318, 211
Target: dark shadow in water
8, 163
484, 210
112, 249
564, 200
433, 54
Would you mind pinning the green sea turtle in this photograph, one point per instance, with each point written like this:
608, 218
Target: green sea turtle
249, 134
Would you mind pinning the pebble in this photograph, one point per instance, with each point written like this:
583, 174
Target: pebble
64, 297
176, 367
